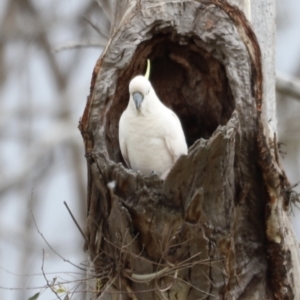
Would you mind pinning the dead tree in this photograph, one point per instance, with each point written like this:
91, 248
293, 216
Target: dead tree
217, 227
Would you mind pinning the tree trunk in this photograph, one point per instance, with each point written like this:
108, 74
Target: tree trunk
217, 227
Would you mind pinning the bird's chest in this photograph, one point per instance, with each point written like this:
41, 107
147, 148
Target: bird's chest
146, 133
146, 147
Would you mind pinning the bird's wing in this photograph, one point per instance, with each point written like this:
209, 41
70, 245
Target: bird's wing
122, 139
174, 138
125, 153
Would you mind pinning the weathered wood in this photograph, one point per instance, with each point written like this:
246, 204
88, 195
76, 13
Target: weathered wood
284, 258
263, 22
209, 230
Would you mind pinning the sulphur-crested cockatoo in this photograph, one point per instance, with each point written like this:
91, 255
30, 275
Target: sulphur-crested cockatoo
150, 134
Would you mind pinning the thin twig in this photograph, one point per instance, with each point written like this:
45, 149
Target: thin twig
105, 6
47, 281
39, 274
65, 260
73, 45
150, 276
76, 223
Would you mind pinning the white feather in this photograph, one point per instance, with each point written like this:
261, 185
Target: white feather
151, 138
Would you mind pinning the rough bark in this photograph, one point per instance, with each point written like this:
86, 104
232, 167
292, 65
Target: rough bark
216, 227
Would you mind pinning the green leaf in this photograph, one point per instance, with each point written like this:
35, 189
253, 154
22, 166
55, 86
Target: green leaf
34, 297
60, 289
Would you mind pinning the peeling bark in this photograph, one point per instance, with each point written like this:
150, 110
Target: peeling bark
216, 227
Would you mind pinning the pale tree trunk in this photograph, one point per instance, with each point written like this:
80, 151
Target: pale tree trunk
217, 227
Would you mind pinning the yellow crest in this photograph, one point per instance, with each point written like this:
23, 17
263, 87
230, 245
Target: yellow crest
147, 74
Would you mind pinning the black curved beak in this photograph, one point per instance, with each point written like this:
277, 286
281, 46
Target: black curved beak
137, 98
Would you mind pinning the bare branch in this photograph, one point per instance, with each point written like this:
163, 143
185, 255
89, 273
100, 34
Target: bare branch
95, 27
288, 86
59, 133
72, 45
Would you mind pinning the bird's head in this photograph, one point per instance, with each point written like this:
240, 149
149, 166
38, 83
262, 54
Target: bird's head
142, 96
139, 89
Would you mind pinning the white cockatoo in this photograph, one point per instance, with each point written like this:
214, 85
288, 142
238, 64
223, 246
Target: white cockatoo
150, 134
